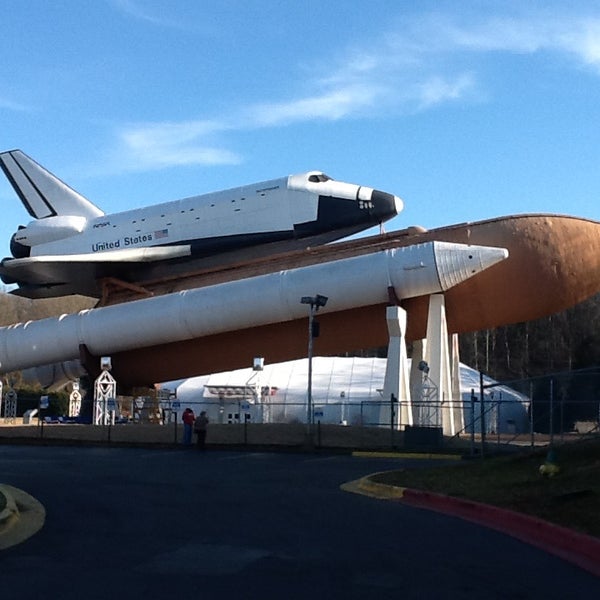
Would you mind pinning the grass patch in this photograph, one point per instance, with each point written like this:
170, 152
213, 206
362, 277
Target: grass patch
570, 498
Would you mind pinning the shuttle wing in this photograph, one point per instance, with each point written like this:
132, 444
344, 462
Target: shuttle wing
47, 272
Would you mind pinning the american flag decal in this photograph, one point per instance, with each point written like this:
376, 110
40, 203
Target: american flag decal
162, 233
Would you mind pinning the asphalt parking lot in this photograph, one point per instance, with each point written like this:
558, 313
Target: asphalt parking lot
137, 523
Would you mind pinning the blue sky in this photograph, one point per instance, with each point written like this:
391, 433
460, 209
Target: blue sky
466, 110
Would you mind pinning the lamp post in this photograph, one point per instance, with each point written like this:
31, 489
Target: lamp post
315, 302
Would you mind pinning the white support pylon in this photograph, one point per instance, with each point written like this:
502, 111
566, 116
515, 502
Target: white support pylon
396, 379
437, 356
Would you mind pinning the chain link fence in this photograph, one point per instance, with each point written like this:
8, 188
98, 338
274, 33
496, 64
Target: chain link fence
554, 408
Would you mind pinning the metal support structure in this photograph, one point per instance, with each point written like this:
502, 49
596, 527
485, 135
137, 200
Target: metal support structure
105, 395
429, 405
75, 400
10, 406
424, 391
416, 379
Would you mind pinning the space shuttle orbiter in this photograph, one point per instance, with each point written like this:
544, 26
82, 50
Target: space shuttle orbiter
72, 245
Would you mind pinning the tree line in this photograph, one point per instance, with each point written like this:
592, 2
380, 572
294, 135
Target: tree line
566, 341
14, 309
554, 361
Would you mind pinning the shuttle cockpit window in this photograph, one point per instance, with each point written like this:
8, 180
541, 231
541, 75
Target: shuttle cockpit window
319, 178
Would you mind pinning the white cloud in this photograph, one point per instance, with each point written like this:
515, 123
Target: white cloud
494, 34
6, 104
437, 89
582, 39
160, 145
561, 33
138, 10
135, 10
425, 63
330, 105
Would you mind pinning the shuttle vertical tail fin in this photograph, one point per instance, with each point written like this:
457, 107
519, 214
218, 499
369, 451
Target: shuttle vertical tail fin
42, 193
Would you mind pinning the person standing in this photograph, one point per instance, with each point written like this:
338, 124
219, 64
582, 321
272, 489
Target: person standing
188, 422
200, 427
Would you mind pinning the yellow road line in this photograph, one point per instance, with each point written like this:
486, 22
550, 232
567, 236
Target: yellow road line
415, 455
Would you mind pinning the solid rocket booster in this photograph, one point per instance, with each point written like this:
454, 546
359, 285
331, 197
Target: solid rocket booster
411, 271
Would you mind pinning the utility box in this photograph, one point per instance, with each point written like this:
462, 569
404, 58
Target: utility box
423, 437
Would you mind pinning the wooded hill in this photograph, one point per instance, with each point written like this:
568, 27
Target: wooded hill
14, 309
566, 341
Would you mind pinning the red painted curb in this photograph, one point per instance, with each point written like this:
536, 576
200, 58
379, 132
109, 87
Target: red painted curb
578, 548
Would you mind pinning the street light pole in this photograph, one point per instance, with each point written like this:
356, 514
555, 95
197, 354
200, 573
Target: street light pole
309, 419
314, 302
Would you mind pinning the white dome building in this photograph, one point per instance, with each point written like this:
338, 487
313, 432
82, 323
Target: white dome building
345, 391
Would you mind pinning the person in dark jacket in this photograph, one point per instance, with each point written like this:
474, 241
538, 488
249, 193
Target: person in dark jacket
200, 427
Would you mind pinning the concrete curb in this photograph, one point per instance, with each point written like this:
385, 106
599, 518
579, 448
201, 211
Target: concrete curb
577, 548
368, 487
22, 517
10, 511
415, 455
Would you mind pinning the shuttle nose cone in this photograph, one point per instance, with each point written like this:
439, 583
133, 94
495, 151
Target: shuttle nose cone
458, 262
399, 204
386, 206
